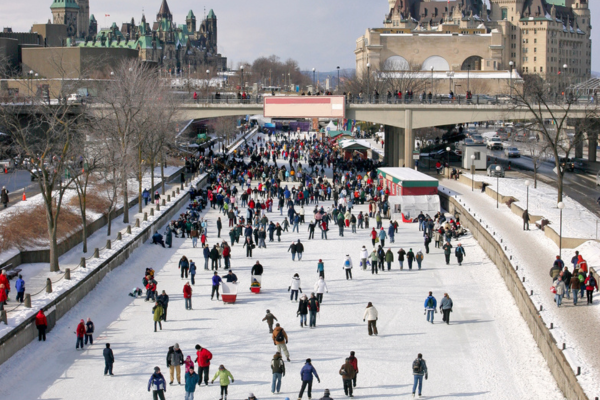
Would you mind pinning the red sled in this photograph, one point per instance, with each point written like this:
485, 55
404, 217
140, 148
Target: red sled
229, 294
255, 284
406, 221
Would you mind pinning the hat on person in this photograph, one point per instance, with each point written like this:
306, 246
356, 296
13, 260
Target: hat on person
308, 360
320, 260
268, 311
251, 396
326, 392
156, 369
176, 347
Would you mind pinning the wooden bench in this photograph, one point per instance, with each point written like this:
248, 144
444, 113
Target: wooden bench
11, 272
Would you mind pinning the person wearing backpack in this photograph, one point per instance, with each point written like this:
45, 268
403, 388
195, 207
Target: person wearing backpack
575, 285
419, 368
581, 276
460, 253
590, 284
446, 308
280, 339
348, 373
419, 258
447, 249
410, 257
348, 267
430, 307
278, 369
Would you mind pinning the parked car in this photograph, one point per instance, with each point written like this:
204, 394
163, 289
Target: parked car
512, 152
443, 155
491, 171
495, 143
567, 164
477, 139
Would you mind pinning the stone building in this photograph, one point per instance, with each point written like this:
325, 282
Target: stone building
529, 36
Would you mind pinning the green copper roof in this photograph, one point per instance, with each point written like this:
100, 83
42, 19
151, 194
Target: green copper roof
64, 4
556, 2
92, 18
211, 14
191, 15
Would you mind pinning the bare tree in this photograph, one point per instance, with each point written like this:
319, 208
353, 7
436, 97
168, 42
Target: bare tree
224, 128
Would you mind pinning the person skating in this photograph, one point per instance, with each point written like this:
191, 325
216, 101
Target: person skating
157, 384
203, 357
41, 323
299, 249
157, 312
446, 308
280, 339
214, 258
590, 285
321, 268
257, 269
191, 381
354, 362
216, 281
401, 254
224, 376
314, 306
278, 370
187, 295
293, 249
327, 394
419, 369
109, 360
80, 334
559, 290
294, 287
192, 272
270, 318
410, 257
163, 300
231, 277
302, 310
20, 288
371, 316
389, 259
348, 373
447, 251
374, 261
184, 266
460, 253
430, 307
575, 284
321, 288
89, 331
373, 236
382, 236
419, 258
348, 267
306, 375
364, 255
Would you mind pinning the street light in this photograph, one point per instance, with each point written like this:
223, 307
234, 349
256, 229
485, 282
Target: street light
314, 80
498, 169
338, 85
510, 65
448, 151
472, 171
207, 83
468, 76
561, 205
368, 82
432, 80
565, 66
527, 183
242, 82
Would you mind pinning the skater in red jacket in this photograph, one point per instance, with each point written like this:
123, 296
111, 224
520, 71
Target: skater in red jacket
41, 323
80, 334
203, 359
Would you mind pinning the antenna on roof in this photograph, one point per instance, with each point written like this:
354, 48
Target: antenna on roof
204, 12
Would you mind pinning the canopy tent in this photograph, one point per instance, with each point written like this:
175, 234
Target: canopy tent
331, 126
411, 206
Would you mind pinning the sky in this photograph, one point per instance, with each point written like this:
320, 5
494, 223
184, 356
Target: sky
318, 34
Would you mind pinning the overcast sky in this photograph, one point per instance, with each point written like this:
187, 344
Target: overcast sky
317, 33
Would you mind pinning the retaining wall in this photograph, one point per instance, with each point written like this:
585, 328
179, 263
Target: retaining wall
26, 332
43, 255
559, 366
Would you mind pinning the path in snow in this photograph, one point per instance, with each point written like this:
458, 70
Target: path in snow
487, 351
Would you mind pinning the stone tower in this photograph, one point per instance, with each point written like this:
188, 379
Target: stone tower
190, 21
66, 12
93, 28
211, 28
164, 12
83, 18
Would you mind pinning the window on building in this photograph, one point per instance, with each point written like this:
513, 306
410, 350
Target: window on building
505, 13
541, 69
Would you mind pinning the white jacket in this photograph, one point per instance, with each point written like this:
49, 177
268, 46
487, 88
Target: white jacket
295, 283
364, 253
347, 266
321, 286
370, 314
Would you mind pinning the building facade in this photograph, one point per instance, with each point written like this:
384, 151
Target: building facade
528, 36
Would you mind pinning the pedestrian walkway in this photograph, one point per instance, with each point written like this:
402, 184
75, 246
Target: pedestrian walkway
534, 254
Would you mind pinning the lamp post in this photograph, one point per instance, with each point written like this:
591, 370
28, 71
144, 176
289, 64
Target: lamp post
290, 82
338, 82
561, 205
207, 84
527, 183
242, 77
450, 76
510, 67
472, 171
565, 66
432, 80
368, 82
468, 76
498, 169
448, 151
314, 80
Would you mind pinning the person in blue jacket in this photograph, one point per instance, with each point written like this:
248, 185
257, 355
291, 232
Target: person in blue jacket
306, 374
216, 281
20, 288
193, 272
158, 385
109, 360
430, 307
191, 381
206, 252
391, 232
146, 196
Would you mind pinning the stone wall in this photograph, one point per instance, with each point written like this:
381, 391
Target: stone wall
26, 332
558, 364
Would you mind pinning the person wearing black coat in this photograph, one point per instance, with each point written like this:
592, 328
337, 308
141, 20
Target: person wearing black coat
163, 300
249, 245
89, 331
302, 310
257, 269
299, 249
293, 249
219, 227
109, 360
381, 257
214, 258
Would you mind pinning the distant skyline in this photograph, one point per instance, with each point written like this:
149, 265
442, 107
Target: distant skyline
318, 34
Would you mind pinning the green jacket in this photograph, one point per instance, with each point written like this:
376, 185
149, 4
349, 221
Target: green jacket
447, 249
223, 376
374, 257
378, 218
389, 256
158, 312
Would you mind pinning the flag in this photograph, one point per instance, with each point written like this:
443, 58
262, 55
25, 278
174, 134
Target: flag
107, 15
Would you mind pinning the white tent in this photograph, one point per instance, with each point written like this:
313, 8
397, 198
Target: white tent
411, 206
331, 127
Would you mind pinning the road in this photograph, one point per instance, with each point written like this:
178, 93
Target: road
15, 181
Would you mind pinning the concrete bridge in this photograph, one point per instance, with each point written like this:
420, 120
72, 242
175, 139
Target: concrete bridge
400, 119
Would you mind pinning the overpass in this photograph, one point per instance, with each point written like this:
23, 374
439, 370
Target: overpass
401, 119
